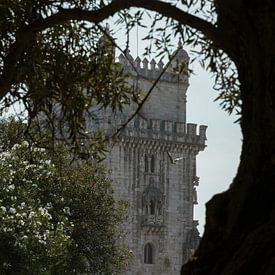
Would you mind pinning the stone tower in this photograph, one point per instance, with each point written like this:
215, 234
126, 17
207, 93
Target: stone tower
153, 167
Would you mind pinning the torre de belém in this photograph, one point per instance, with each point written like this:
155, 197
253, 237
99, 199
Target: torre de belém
152, 164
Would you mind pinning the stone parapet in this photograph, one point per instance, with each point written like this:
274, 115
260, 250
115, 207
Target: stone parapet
152, 69
156, 129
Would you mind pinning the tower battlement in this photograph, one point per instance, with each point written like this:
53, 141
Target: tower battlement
151, 69
168, 131
157, 129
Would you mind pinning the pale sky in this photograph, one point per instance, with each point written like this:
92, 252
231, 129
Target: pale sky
217, 164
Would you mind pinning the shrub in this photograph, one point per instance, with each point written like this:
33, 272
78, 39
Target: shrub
55, 218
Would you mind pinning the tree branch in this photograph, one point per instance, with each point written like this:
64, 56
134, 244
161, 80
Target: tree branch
185, 18
10, 61
95, 16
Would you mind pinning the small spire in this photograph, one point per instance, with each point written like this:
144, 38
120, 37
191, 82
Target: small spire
121, 56
128, 55
145, 63
137, 61
153, 64
122, 59
160, 65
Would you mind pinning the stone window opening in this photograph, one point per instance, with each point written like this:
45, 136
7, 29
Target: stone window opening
152, 207
159, 207
152, 166
148, 254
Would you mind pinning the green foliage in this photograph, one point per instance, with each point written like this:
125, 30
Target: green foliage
95, 215
63, 71
35, 224
56, 218
11, 133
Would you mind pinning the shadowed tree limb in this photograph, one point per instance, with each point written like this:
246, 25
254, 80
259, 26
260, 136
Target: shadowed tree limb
95, 16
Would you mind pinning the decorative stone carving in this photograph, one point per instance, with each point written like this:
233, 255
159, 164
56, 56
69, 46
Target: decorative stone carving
152, 205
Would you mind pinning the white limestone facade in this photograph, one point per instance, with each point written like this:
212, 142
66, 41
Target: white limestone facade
152, 163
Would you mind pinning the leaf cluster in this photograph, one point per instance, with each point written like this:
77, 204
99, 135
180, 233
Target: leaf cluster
64, 70
35, 230
57, 217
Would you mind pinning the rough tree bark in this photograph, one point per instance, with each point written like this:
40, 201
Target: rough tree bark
239, 234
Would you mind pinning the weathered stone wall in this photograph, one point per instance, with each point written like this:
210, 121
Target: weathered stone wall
153, 167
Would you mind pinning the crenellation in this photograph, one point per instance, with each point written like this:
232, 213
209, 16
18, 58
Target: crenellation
191, 129
171, 131
145, 63
155, 125
168, 127
122, 60
161, 129
151, 69
202, 133
153, 64
137, 62
180, 128
143, 124
160, 65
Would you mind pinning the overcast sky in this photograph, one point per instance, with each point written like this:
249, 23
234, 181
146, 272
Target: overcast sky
217, 164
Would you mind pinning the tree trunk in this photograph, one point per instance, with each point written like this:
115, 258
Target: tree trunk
239, 234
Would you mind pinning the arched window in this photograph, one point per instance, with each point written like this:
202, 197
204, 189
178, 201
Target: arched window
152, 168
152, 207
148, 254
146, 163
